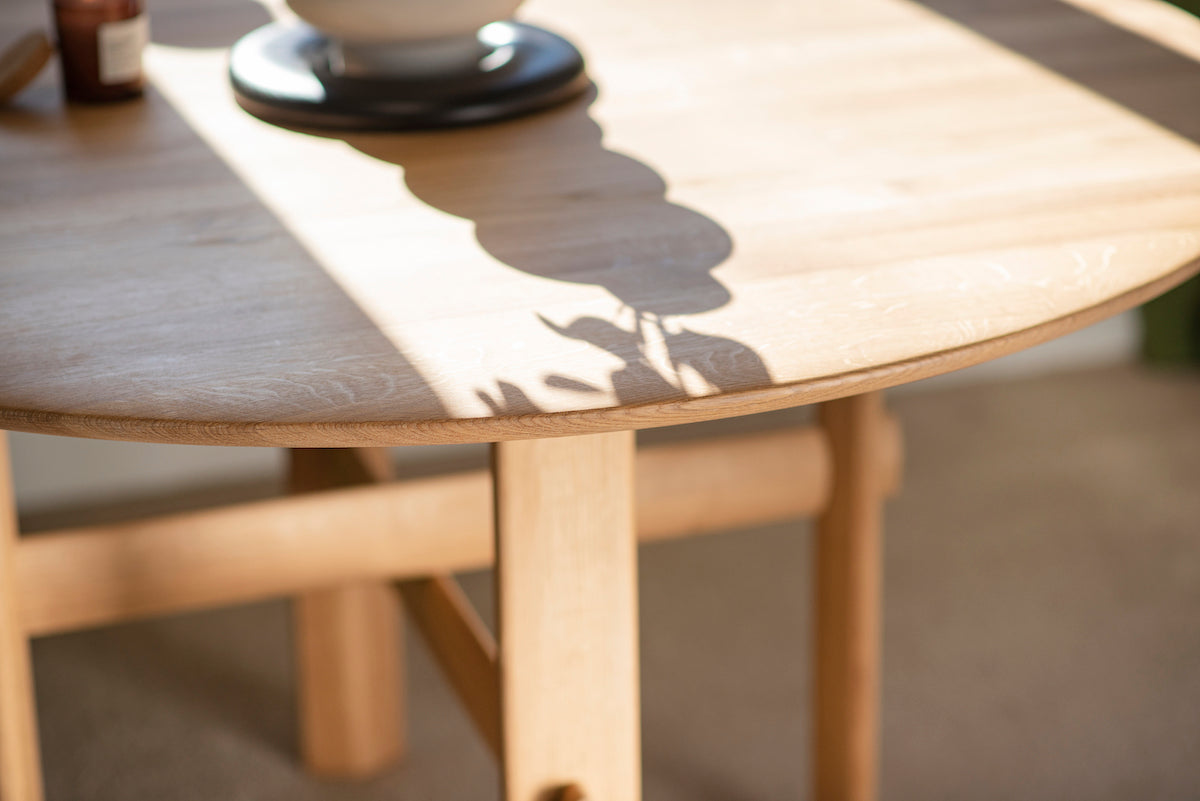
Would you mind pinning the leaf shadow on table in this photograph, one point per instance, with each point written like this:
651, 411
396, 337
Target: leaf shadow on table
549, 199
1094, 53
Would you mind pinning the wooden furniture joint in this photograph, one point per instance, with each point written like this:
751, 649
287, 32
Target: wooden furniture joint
572, 792
864, 447
335, 543
96, 575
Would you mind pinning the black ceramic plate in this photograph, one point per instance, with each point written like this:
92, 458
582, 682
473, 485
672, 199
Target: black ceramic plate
281, 73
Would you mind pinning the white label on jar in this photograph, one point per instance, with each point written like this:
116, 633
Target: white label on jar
120, 46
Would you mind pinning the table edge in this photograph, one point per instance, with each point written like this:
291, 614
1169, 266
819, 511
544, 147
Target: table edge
576, 423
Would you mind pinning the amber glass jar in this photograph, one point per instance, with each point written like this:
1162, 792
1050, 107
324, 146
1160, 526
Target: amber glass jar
100, 43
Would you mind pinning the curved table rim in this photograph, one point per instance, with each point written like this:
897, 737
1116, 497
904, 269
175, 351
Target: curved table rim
588, 421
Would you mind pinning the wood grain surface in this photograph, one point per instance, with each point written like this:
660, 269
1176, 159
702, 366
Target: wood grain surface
774, 204
567, 617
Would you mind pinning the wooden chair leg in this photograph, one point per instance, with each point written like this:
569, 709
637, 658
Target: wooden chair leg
848, 600
567, 601
20, 761
348, 645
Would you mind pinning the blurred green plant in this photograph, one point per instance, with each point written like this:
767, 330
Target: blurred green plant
1171, 326
1171, 323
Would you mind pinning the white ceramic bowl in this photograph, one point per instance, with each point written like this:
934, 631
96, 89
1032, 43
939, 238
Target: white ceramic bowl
402, 37
400, 20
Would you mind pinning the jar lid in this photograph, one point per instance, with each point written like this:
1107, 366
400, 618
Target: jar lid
21, 61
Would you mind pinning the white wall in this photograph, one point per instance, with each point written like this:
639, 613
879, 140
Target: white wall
51, 471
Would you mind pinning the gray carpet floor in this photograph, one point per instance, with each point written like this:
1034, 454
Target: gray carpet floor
1042, 636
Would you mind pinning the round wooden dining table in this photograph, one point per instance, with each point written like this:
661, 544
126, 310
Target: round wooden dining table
756, 206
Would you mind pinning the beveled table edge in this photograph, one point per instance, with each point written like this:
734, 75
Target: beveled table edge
581, 422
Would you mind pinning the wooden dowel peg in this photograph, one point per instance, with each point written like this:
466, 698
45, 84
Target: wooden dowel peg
572, 792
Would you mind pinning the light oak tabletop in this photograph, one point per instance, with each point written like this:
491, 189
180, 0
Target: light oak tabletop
762, 204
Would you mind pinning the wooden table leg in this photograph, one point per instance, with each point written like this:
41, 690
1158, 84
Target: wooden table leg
20, 761
348, 644
848, 599
567, 601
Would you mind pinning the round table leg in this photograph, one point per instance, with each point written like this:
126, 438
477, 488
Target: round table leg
848, 601
20, 761
348, 644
